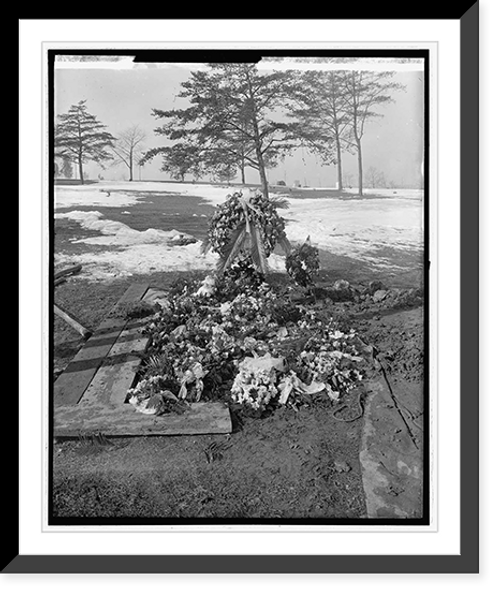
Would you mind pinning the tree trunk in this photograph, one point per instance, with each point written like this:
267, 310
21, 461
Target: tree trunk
360, 168
80, 170
257, 142
262, 174
131, 166
340, 185
336, 129
242, 169
260, 161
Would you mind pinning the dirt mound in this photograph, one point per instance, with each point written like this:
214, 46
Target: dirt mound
291, 465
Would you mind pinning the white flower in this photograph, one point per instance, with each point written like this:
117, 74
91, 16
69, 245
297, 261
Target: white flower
254, 385
225, 307
207, 287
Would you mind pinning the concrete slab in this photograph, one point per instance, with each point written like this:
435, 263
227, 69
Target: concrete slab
391, 458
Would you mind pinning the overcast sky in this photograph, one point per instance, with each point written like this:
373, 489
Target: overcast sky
123, 97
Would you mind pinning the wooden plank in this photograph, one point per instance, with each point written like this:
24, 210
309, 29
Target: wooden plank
133, 293
72, 383
68, 271
59, 311
124, 421
118, 370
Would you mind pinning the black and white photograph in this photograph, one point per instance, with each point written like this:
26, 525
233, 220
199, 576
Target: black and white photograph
238, 260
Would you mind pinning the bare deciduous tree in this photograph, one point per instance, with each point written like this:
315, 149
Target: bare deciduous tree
127, 148
319, 106
364, 92
376, 177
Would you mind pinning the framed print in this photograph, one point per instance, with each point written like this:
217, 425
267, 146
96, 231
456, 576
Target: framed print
247, 256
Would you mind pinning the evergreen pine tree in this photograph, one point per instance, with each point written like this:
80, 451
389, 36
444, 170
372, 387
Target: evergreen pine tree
81, 137
229, 123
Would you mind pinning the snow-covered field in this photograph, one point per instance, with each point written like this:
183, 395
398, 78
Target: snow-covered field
361, 229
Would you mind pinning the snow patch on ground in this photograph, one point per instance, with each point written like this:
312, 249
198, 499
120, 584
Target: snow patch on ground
354, 228
140, 259
116, 233
69, 196
119, 194
132, 252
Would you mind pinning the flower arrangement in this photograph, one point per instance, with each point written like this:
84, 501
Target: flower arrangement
236, 337
302, 264
244, 231
235, 211
255, 386
254, 348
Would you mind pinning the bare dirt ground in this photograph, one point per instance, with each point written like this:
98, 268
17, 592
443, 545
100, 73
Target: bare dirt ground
291, 465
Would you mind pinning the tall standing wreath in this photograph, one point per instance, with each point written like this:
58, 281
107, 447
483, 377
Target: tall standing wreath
244, 231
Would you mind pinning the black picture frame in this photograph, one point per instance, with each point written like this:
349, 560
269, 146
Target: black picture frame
468, 559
